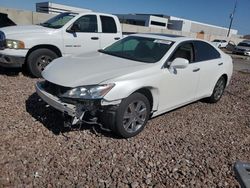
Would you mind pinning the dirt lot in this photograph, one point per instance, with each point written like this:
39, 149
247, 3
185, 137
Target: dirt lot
194, 146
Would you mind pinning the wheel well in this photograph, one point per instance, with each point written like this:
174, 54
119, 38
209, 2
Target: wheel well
225, 76
50, 47
147, 93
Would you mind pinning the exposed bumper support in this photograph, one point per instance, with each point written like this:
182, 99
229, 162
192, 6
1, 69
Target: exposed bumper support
104, 115
68, 109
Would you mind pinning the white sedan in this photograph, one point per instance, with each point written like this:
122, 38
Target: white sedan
220, 43
134, 79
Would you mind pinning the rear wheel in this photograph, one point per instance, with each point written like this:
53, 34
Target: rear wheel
132, 116
39, 59
218, 90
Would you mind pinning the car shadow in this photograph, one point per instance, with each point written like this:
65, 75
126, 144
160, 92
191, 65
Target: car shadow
13, 71
53, 119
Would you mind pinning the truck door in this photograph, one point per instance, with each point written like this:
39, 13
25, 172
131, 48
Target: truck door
82, 36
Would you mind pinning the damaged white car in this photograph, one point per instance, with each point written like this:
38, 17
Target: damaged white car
134, 79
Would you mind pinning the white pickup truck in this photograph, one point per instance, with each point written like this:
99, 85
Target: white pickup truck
63, 35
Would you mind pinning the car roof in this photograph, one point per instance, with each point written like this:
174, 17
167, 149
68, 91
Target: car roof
174, 38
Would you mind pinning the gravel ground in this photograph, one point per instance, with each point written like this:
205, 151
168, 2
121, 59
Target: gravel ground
194, 146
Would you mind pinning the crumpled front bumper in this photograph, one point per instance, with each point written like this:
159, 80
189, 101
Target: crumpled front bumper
55, 102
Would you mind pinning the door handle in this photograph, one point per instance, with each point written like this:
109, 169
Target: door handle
220, 64
196, 70
117, 38
94, 38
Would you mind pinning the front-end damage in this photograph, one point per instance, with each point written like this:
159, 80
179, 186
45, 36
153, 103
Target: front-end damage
77, 111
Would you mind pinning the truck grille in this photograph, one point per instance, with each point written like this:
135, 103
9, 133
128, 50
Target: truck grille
2, 40
54, 89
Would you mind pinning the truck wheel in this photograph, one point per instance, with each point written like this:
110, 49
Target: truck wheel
218, 90
132, 115
39, 59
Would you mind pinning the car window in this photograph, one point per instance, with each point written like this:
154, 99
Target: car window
184, 51
204, 51
108, 24
87, 23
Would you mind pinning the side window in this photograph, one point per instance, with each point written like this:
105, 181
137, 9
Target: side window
108, 24
204, 51
86, 23
185, 51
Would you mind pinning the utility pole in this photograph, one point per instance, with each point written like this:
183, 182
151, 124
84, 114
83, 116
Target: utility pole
232, 17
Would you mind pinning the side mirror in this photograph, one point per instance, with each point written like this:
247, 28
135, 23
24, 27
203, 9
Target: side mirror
179, 63
74, 28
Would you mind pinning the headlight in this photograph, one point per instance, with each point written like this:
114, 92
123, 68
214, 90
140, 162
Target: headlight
15, 44
88, 92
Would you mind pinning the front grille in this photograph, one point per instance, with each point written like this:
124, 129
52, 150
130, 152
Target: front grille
54, 89
2, 40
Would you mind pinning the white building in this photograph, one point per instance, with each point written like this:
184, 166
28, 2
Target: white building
174, 23
144, 20
53, 8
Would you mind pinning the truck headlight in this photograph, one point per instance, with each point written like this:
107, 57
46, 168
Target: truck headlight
15, 44
88, 92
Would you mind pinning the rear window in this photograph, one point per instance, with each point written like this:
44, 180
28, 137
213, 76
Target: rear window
205, 51
108, 24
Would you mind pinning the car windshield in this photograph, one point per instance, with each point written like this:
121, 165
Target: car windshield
58, 21
148, 50
244, 44
216, 40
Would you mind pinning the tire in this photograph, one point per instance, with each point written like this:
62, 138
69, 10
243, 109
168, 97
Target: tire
132, 116
38, 60
218, 90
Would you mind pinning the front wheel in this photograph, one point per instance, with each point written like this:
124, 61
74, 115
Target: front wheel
132, 115
39, 59
218, 90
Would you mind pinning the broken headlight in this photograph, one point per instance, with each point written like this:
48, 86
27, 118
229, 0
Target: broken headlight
88, 92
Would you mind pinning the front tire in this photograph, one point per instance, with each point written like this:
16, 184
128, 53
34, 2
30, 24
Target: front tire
39, 59
132, 116
218, 90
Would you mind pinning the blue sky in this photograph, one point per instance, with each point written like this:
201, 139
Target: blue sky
209, 11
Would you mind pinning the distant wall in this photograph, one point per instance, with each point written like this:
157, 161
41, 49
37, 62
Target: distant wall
23, 17
142, 29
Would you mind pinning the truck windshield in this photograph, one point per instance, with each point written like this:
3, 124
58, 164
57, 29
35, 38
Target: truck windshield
58, 21
143, 49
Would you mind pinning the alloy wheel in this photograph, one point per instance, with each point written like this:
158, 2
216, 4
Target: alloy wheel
134, 116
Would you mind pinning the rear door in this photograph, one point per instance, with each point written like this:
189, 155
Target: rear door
208, 59
109, 31
85, 38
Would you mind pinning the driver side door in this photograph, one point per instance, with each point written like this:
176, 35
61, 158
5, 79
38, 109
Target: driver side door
178, 86
84, 37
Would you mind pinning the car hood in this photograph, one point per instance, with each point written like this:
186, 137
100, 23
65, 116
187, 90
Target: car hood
89, 69
25, 29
